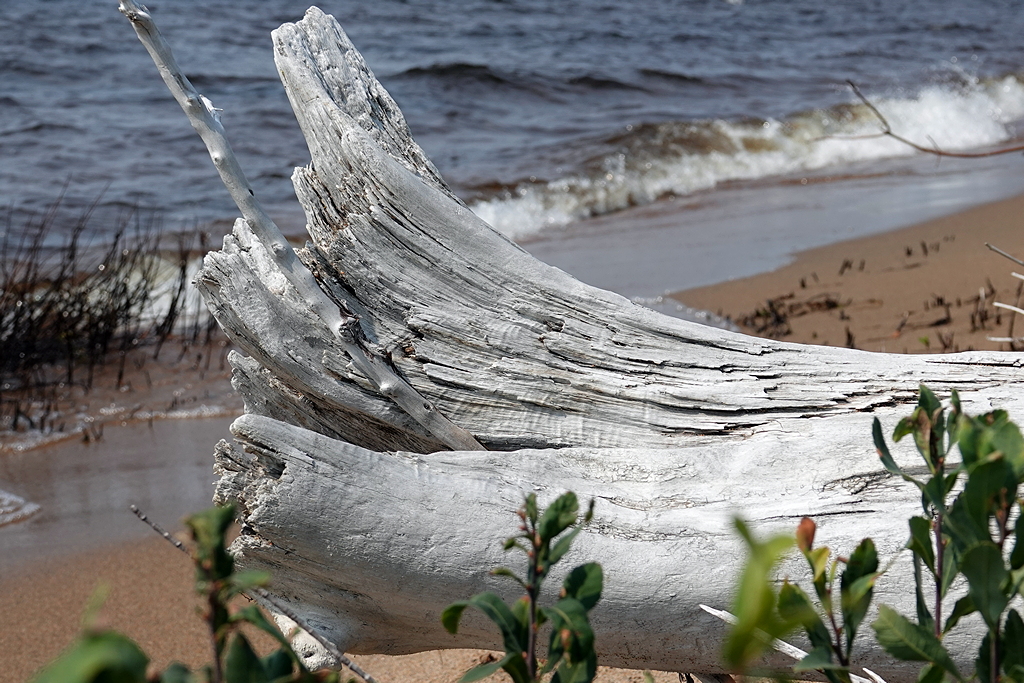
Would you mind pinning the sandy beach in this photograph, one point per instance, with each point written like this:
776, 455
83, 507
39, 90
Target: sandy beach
926, 288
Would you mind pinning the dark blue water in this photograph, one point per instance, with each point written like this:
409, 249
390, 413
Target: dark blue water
540, 112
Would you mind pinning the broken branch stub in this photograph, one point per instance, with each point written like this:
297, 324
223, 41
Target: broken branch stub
339, 321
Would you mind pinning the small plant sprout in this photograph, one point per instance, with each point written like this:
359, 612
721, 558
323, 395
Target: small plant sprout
104, 655
544, 537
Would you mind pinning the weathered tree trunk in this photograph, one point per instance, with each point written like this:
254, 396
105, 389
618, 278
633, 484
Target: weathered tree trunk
370, 528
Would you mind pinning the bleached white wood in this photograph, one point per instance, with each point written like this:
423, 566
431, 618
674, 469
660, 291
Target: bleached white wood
370, 547
340, 322
370, 528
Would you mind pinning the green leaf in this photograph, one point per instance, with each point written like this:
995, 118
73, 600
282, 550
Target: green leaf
754, 602
856, 586
176, 672
933, 493
505, 571
953, 423
1005, 437
452, 614
924, 615
209, 527
530, 507
569, 618
920, 542
907, 425
513, 632
982, 565
950, 566
795, 607
484, 670
909, 642
961, 609
982, 663
251, 614
243, 582
241, 664
278, 664
105, 656
818, 560
928, 401
576, 672
584, 583
818, 659
562, 546
1017, 556
515, 667
558, 517
931, 674
989, 483
883, 449
1013, 642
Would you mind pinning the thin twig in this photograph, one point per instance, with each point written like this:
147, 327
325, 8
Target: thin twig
1003, 253
784, 647
887, 130
275, 603
1008, 307
205, 119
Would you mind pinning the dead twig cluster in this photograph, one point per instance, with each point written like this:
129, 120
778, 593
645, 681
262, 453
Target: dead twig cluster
67, 310
772, 320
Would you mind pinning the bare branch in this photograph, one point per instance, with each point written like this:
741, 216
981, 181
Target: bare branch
1003, 253
1008, 307
887, 131
274, 602
343, 325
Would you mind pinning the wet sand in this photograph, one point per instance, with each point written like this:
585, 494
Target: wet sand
83, 490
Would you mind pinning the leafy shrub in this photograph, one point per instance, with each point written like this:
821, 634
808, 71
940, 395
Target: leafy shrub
963, 535
103, 656
571, 652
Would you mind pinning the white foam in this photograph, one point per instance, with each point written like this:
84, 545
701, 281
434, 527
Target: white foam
15, 508
951, 118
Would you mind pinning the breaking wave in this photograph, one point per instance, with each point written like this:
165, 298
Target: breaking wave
652, 160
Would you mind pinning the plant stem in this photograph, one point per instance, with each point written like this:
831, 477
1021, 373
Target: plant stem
218, 673
940, 548
993, 654
532, 590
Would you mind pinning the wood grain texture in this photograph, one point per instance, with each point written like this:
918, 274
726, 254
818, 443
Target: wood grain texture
370, 528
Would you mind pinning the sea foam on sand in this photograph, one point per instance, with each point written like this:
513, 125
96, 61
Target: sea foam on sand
15, 508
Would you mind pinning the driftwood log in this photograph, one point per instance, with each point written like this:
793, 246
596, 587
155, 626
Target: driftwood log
371, 526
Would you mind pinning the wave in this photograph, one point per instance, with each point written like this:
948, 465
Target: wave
456, 73
649, 161
462, 75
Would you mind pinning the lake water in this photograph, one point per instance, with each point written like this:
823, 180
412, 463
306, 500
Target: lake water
541, 113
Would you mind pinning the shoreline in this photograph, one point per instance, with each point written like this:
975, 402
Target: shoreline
925, 288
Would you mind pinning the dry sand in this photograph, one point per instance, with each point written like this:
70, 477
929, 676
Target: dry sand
926, 288
151, 599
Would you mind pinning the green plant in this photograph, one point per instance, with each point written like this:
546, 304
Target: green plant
968, 535
545, 537
109, 657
